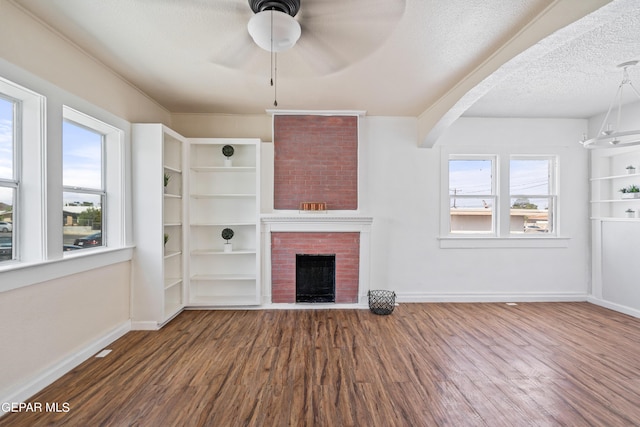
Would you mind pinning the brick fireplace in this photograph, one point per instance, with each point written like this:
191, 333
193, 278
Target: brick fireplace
347, 236
285, 247
316, 161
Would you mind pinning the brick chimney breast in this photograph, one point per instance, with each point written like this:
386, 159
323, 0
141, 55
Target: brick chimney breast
316, 160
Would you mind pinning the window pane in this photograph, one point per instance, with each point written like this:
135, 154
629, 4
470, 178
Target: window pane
531, 216
529, 177
82, 217
471, 215
469, 177
6, 223
81, 157
6, 139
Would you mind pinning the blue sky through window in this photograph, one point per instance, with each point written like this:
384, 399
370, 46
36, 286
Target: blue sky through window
471, 177
82, 160
6, 148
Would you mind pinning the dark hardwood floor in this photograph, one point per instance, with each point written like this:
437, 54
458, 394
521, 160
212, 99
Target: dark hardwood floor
534, 364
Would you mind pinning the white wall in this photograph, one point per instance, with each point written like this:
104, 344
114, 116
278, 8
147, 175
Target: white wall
48, 327
64, 310
206, 125
404, 195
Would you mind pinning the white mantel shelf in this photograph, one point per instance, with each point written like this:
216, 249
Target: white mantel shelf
317, 222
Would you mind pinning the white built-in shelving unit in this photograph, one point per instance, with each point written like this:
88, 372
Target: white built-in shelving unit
614, 232
609, 174
223, 195
158, 292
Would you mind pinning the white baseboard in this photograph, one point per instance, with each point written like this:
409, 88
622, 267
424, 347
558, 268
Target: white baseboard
24, 391
490, 297
614, 306
144, 325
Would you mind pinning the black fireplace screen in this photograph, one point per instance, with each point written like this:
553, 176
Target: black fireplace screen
315, 278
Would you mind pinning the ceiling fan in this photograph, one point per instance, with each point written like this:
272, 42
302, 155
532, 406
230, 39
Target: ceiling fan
328, 35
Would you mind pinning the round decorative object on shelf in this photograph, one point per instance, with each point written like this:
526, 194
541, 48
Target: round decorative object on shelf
228, 150
227, 234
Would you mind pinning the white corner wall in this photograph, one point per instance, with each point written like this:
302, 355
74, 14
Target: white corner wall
403, 184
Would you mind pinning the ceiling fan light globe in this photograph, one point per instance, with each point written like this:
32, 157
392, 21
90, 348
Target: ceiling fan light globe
286, 30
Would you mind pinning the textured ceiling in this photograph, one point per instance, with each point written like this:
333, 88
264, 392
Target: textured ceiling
387, 57
573, 73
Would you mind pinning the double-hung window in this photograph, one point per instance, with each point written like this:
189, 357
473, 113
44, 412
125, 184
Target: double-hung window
472, 195
501, 195
9, 112
532, 194
83, 181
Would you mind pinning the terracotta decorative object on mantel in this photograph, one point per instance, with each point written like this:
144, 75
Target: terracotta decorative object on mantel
313, 206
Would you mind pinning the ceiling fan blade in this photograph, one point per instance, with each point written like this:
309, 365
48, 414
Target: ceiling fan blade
352, 10
237, 53
320, 56
329, 44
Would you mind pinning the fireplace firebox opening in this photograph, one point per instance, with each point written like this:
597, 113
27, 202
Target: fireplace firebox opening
315, 278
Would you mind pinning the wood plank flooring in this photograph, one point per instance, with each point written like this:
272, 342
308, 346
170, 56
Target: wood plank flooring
533, 364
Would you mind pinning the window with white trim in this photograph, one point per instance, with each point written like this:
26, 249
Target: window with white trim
532, 195
9, 116
472, 195
83, 185
501, 195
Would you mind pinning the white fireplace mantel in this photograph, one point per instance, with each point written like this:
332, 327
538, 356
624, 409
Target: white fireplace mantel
318, 222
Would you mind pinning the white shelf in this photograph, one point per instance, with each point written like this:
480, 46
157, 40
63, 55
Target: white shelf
615, 200
231, 169
170, 282
172, 254
222, 301
172, 196
223, 277
223, 196
218, 252
172, 224
171, 169
609, 218
225, 224
605, 178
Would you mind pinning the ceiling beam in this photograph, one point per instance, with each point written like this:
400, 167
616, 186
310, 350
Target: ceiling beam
435, 120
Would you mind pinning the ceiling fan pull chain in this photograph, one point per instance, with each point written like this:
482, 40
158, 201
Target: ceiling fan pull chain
271, 53
275, 86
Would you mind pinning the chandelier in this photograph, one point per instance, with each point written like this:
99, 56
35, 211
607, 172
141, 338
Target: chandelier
610, 133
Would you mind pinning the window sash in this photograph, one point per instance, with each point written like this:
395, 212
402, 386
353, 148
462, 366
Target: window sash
469, 219
92, 125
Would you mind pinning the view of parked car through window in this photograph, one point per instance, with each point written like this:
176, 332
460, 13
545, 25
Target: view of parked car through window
83, 187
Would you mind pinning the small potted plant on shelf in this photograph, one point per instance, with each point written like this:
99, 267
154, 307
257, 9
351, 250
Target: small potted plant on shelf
630, 213
166, 239
227, 234
630, 192
227, 151
631, 169
167, 178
